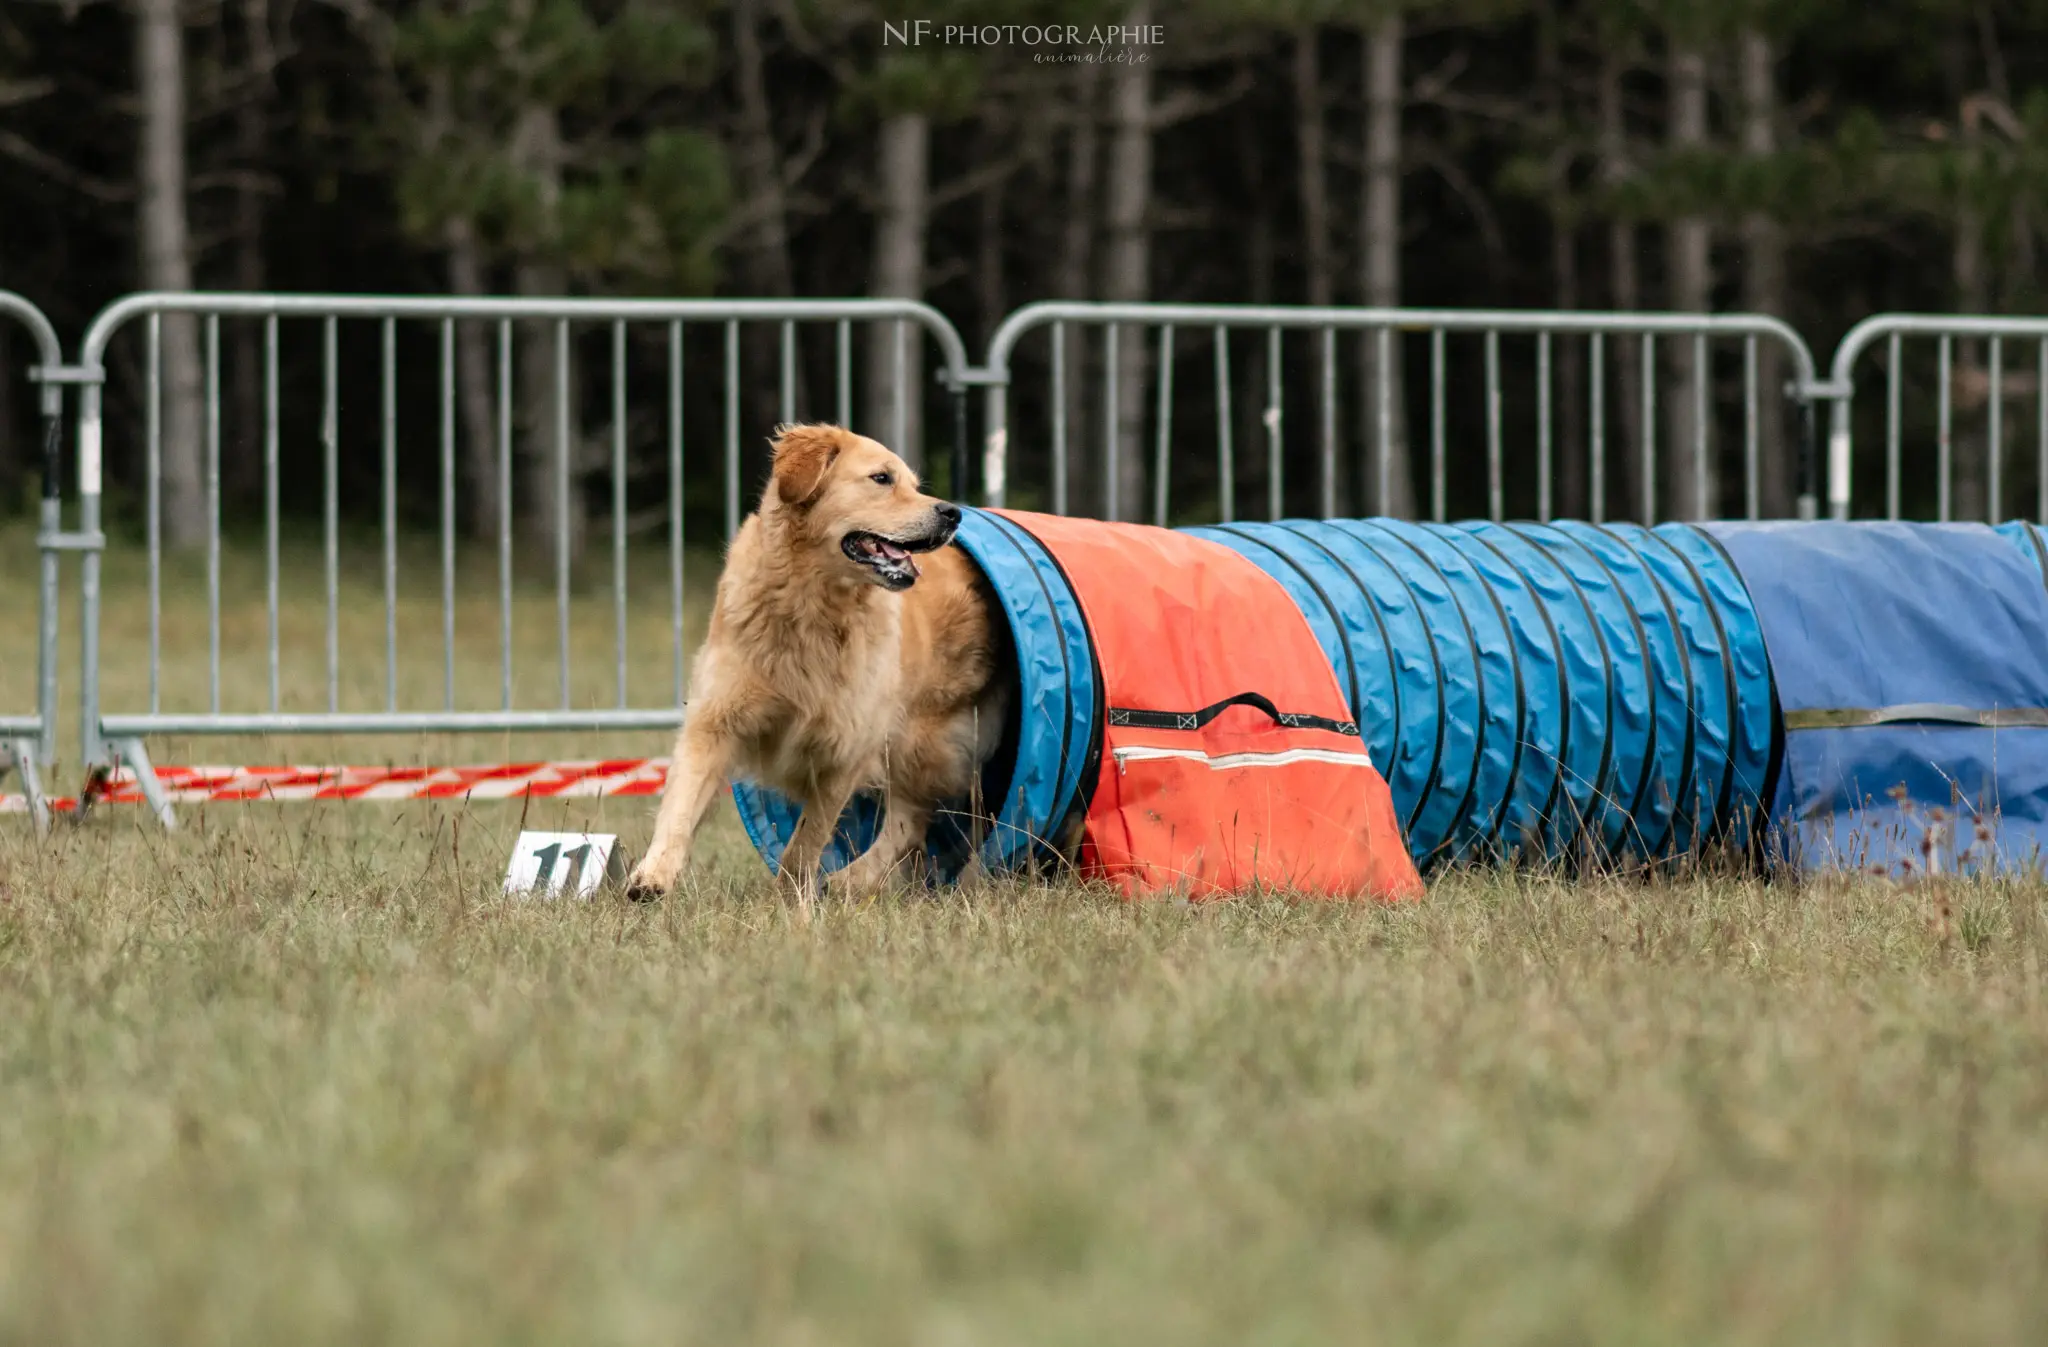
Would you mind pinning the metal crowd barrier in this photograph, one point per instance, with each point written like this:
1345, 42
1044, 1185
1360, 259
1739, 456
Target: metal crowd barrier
27, 742
111, 734
1968, 366
1379, 409
1548, 392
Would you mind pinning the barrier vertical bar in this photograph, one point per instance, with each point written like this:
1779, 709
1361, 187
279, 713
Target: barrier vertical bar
843, 370
675, 485
1328, 425
1942, 442
30, 759
789, 371
995, 445
1596, 428
1893, 377
732, 429
1226, 458
505, 513
270, 499
1164, 429
2041, 435
92, 750
619, 503
1439, 484
1276, 484
562, 485
330, 436
1543, 428
1059, 418
1383, 391
213, 512
1751, 469
448, 513
1702, 481
388, 481
1113, 440
153, 471
899, 400
1994, 448
1648, 353
1496, 505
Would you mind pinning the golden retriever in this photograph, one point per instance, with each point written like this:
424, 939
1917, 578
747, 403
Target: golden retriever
852, 647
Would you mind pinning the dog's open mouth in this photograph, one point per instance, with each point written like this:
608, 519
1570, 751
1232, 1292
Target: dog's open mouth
893, 560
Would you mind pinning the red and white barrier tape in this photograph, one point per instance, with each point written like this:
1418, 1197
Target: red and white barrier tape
213, 785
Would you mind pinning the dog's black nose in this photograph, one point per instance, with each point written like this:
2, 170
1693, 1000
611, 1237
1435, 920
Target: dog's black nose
949, 513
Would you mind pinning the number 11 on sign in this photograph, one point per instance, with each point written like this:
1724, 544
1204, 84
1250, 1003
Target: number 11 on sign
549, 865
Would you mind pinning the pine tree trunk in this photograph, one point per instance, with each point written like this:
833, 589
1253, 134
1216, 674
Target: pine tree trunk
1394, 492
473, 388
1970, 499
904, 151
167, 261
1248, 370
1567, 379
1308, 139
1127, 275
549, 515
1689, 484
242, 468
766, 263
1315, 193
242, 452
1074, 270
1763, 279
989, 287
1623, 440
545, 511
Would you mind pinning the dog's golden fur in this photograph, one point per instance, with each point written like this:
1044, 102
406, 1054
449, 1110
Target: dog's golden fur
852, 647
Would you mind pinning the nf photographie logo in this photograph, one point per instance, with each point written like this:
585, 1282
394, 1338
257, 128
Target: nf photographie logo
1049, 42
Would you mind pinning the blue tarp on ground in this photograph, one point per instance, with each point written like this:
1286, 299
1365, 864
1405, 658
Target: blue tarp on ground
1886, 641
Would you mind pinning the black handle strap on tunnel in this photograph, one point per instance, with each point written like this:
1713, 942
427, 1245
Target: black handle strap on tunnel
1195, 720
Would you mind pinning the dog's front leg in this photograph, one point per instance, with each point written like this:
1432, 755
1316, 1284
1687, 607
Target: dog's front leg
697, 772
902, 833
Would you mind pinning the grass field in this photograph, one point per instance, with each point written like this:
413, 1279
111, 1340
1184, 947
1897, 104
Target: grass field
297, 1074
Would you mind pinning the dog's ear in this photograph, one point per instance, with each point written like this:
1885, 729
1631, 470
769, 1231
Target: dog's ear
803, 455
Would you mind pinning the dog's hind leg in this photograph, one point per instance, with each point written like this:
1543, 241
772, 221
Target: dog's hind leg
696, 774
813, 833
901, 835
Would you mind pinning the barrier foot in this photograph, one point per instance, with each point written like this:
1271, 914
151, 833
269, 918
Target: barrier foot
130, 753
20, 754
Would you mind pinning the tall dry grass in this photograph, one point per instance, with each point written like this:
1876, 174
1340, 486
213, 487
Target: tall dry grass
298, 1074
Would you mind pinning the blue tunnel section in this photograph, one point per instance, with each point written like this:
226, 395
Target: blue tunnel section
1540, 691
1911, 663
1602, 693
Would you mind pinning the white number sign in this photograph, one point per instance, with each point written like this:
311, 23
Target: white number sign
551, 864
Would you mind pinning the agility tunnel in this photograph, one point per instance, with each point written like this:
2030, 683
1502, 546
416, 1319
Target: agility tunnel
1807, 693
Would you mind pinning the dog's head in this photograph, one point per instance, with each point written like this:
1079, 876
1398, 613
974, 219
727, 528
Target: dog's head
858, 503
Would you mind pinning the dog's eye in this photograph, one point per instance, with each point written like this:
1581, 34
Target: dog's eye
880, 478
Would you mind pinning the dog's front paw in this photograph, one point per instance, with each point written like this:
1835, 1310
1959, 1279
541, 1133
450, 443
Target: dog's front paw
641, 889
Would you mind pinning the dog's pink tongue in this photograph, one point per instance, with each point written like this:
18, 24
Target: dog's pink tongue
894, 553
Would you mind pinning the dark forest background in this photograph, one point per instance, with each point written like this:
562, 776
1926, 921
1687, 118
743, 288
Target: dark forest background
1819, 160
